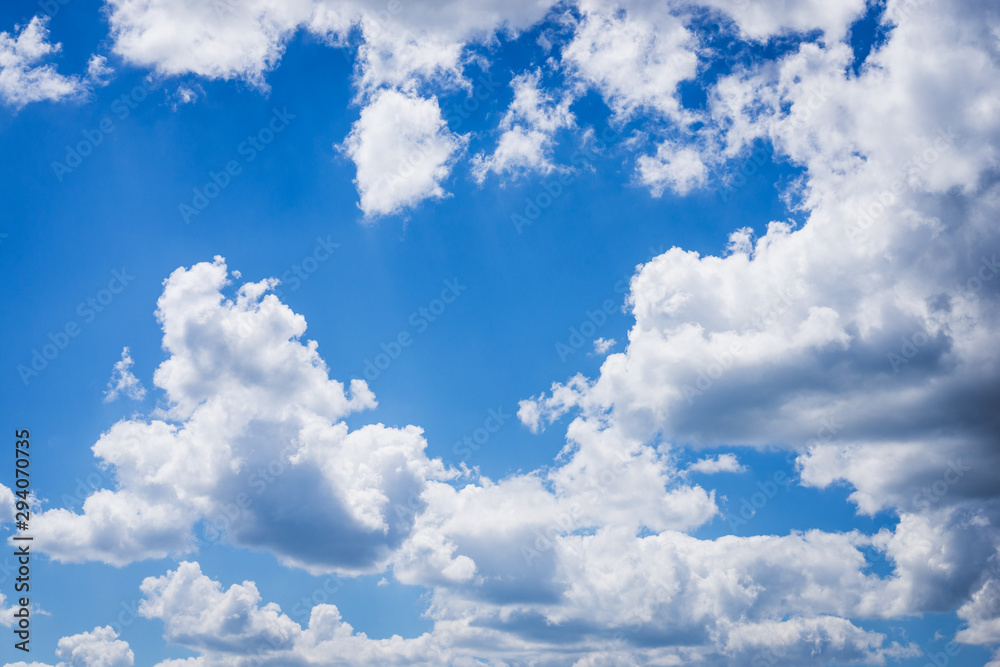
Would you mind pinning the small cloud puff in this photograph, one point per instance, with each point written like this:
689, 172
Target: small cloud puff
123, 381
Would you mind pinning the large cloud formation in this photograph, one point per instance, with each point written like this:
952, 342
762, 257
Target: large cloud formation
254, 423
861, 341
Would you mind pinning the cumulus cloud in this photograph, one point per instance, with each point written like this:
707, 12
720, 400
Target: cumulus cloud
678, 587
196, 612
400, 145
529, 126
23, 79
766, 18
403, 150
225, 625
222, 39
861, 339
253, 428
98, 71
635, 55
123, 381
97, 648
680, 169
721, 463
602, 345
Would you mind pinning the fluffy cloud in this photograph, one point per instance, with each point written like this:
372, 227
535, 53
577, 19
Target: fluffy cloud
98, 648
225, 39
196, 612
253, 435
123, 381
403, 151
634, 55
677, 168
22, 79
232, 627
221, 39
861, 339
766, 18
721, 463
529, 126
400, 145
676, 587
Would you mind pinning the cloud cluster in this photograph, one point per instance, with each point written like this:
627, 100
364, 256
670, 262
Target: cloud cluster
253, 423
97, 648
399, 145
23, 77
861, 340
528, 129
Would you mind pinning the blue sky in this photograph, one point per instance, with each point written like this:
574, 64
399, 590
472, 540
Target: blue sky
638, 333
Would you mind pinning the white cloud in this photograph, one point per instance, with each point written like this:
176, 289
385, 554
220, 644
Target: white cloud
861, 339
220, 624
22, 79
529, 125
786, 341
123, 381
721, 463
98, 71
634, 54
253, 429
761, 19
225, 39
678, 168
403, 150
677, 589
197, 613
220, 39
6, 504
602, 345
982, 614
97, 648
